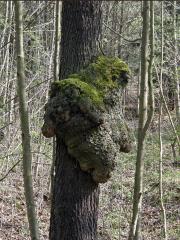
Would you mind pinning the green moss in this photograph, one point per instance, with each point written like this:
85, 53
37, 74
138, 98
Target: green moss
86, 90
103, 73
97, 78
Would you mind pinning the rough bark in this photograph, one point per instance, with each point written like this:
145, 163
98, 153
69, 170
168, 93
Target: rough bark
81, 30
76, 195
85, 111
94, 134
84, 122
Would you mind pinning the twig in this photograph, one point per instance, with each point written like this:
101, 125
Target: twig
6, 126
128, 40
166, 108
27, 26
15, 154
28, 89
1, 179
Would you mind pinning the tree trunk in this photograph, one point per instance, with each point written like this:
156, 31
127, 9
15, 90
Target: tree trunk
121, 29
24, 119
160, 129
56, 77
57, 39
176, 76
75, 196
135, 232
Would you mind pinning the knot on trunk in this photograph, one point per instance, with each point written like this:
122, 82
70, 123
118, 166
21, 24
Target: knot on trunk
85, 111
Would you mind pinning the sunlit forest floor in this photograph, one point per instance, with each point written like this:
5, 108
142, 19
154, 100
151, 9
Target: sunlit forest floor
116, 195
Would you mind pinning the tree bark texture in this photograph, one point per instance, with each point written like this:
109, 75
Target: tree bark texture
75, 195
81, 30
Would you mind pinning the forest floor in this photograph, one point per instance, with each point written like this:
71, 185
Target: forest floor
115, 199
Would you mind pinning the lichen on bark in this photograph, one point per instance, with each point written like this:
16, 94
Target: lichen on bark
85, 111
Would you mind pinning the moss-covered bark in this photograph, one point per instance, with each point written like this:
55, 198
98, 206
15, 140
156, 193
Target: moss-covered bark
84, 110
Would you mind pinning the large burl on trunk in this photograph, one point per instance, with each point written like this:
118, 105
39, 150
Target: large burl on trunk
84, 110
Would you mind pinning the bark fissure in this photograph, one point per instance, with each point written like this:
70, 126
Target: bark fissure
76, 195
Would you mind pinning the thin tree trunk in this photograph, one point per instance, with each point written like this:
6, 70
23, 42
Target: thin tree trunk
160, 137
167, 111
75, 200
138, 86
56, 77
57, 40
150, 68
121, 28
113, 41
176, 77
135, 233
161, 175
24, 119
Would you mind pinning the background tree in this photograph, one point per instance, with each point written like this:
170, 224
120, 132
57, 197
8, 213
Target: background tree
135, 232
176, 75
160, 131
23, 112
56, 77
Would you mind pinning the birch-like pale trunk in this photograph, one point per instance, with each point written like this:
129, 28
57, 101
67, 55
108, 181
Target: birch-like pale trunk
57, 40
161, 174
56, 77
24, 120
